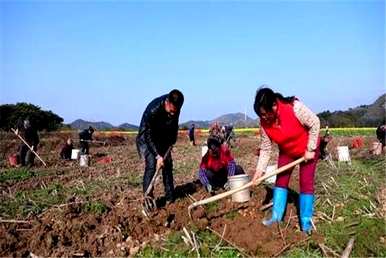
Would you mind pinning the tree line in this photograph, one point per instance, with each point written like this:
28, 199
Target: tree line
12, 114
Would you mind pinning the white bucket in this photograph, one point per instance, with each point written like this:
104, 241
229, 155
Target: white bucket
84, 161
269, 170
204, 150
75, 154
236, 182
343, 153
377, 148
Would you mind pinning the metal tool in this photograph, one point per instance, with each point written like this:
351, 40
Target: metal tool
93, 141
149, 203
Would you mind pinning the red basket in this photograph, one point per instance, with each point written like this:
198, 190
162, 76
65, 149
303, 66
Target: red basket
13, 160
357, 143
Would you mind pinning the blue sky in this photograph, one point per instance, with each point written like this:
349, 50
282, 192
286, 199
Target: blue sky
105, 60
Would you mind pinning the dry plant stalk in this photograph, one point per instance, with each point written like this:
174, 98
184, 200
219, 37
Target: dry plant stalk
266, 206
230, 243
15, 221
349, 247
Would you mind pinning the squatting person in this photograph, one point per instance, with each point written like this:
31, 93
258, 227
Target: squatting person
217, 165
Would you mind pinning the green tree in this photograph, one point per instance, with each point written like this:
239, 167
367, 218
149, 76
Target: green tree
11, 114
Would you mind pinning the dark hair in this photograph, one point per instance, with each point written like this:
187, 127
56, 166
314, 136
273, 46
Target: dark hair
176, 98
91, 129
266, 98
213, 142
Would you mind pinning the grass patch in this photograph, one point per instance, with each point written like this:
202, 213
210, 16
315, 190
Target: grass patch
95, 207
134, 180
16, 174
211, 207
352, 191
304, 252
32, 202
232, 214
100, 185
35, 201
174, 246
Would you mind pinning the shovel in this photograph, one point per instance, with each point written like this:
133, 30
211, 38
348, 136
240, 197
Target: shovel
93, 141
149, 203
261, 179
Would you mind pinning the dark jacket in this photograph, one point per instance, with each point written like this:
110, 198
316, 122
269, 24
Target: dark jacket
31, 136
66, 150
157, 130
191, 132
85, 135
381, 134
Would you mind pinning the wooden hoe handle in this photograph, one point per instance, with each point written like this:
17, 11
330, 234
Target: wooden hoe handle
259, 181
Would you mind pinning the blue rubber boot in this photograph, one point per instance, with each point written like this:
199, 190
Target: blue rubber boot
306, 210
279, 204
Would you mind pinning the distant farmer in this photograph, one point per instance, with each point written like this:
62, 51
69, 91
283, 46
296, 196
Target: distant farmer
295, 129
191, 135
85, 137
379, 146
217, 165
65, 152
229, 135
323, 144
157, 132
381, 134
30, 135
216, 131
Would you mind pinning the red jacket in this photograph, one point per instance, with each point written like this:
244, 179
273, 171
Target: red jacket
213, 164
290, 135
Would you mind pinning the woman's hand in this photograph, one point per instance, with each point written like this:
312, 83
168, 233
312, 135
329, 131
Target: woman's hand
256, 176
308, 155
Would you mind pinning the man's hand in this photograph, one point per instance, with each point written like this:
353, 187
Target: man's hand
308, 155
160, 162
256, 176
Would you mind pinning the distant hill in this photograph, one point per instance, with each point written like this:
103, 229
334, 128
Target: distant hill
197, 123
236, 119
362, 116
127, 126
82, 124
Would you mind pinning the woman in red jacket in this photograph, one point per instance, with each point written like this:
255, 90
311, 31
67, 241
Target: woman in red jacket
295, 129
217, 165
